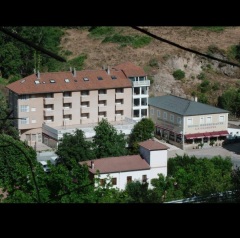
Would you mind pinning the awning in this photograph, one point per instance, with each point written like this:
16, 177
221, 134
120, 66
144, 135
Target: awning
194, 135
207, 134
219, 133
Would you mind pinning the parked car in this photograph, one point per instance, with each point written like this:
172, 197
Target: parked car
45, 166
54, 160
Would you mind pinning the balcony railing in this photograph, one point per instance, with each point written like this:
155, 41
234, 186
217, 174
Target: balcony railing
141, 83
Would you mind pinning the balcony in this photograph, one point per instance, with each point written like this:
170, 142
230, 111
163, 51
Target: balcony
48, 112
85, 109
141, 83
85, 98
102, 108
48, 100
120, 95
67, 99
119, 107
102, 97
67, 111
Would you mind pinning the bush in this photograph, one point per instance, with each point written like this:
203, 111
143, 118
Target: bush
153, 62
178, 74
201, 76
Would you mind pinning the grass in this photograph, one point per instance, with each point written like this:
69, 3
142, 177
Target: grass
101, 31
210, 28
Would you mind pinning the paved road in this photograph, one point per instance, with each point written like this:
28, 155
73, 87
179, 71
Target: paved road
230, 150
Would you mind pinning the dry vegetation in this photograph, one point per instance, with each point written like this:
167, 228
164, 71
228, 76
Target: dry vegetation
78, 41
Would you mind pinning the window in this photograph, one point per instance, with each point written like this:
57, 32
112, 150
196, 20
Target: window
113, 77
165, 115
85, 104
152, 111
102, 182
67, 105
141, 78
28, 138
209, 119
85, 93
144, 178
52, 81
158, 113
201, 120
33, 109
129, 179
33, 137
114, 181
85, 79
24, 97
24, 108
24, 120
171, 117
119, 90
221, 118
189, 121
49, 95
99, 78
67, 80
67, 94
67, 117
179, 120
102, 91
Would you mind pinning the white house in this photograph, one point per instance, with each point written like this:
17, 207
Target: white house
151, 161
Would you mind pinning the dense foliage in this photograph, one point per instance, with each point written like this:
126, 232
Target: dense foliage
108, 141
141, 131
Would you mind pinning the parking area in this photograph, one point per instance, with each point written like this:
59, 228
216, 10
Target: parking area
229, 150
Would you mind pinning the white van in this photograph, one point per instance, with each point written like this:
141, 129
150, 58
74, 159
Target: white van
54, 160
45, 166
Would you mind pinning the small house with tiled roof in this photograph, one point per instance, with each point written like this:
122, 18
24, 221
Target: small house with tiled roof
186, 123
151, 161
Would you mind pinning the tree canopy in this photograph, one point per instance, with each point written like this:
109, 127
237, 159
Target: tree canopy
141, 131
108, 141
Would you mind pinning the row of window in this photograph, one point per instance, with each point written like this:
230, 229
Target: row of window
129, 179
69, 94
25, 120
207, 119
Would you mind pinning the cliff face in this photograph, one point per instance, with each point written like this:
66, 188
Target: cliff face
160, 59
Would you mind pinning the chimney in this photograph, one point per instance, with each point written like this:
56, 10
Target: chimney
74, 72
104, 67
195, 98
34, 71
38, 74
108, 70
92, 164
70, 69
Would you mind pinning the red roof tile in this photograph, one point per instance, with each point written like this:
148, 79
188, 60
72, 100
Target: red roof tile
117, 164
27, 85
131, 69
153, 145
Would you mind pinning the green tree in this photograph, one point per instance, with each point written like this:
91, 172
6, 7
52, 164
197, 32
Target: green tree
6, 123
75, 147
143, 130
137, 192
107, 141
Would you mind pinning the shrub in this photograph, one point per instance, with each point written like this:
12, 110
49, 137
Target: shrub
178, 74
153, 62
201, 76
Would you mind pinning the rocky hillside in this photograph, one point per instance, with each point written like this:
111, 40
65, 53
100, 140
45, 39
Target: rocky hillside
160, 59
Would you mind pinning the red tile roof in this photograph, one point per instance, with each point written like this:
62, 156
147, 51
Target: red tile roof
131, 69
117, 164
153, 145
27, 85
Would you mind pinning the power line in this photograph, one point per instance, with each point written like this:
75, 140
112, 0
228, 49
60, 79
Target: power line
182, 47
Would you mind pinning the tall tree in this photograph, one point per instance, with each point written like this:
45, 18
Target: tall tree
75, 147
141, 131
107, 141
6, 123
